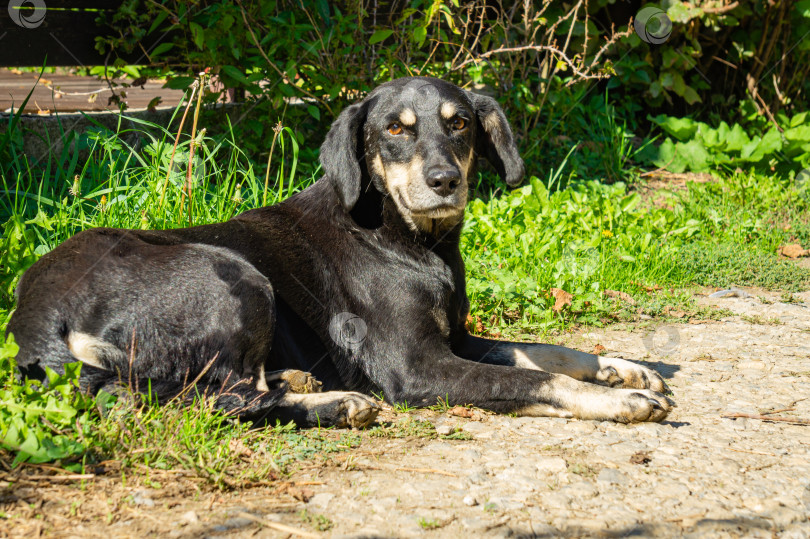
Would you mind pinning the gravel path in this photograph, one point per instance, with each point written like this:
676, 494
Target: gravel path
697, 475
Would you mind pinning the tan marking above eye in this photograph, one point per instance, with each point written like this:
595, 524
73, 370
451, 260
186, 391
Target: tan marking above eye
395, 129
407, 117
458, 123
448, 110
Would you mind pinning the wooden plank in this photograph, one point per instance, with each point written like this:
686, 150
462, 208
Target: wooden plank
67, 38
69, 93
81, 4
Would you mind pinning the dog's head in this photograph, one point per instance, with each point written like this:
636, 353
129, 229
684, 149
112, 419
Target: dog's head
417, 140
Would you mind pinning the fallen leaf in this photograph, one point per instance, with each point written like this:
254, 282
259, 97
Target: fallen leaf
239, 448
640, 457
647, 288
598, 349
561, 299
675, 313
474, 325
624, 296
302, 494
793, 250
460, 411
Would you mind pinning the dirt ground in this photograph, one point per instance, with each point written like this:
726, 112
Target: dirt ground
698, 474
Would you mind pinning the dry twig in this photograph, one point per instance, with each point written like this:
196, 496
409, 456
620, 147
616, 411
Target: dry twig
277, 525
794, 420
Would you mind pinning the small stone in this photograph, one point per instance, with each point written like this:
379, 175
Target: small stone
581, 426
611, 476
233, 524
470, 501
478, 476
444, 430
472, 523
321, 499
190, 517
141, 497
478, 430
551, 464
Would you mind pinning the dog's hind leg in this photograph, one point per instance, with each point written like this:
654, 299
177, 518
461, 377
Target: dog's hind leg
172, 322
330, 409
240, 399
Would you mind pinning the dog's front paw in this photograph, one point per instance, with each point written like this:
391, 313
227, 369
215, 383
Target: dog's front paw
617, 372
590, 401
357, 410
636, 406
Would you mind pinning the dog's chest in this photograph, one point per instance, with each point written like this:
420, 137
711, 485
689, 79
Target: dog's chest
423, 281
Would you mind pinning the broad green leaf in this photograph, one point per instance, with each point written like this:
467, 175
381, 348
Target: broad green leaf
690, 95
680, 128
800, 133
379, 35
419, 34
695, 156
160, 50
197, 34
236, 74
736, 139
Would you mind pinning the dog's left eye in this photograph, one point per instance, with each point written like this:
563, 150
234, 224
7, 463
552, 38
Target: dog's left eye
395, 129
459, 123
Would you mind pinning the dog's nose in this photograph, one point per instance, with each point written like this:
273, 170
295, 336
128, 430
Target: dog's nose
443, 181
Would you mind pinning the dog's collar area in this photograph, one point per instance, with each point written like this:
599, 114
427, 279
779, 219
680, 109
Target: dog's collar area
419, 224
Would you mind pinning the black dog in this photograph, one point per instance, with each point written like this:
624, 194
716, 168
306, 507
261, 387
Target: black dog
358, 280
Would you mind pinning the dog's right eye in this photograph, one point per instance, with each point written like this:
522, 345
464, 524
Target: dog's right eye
395, 129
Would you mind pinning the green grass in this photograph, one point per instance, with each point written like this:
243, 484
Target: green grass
317, 521
592, 237
429, 523
585, 239
62, 424
727, 264
411, 427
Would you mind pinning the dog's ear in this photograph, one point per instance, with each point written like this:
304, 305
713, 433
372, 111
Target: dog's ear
339, 153
494, 139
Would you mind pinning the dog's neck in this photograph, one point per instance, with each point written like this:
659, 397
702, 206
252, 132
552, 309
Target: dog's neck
430, 232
